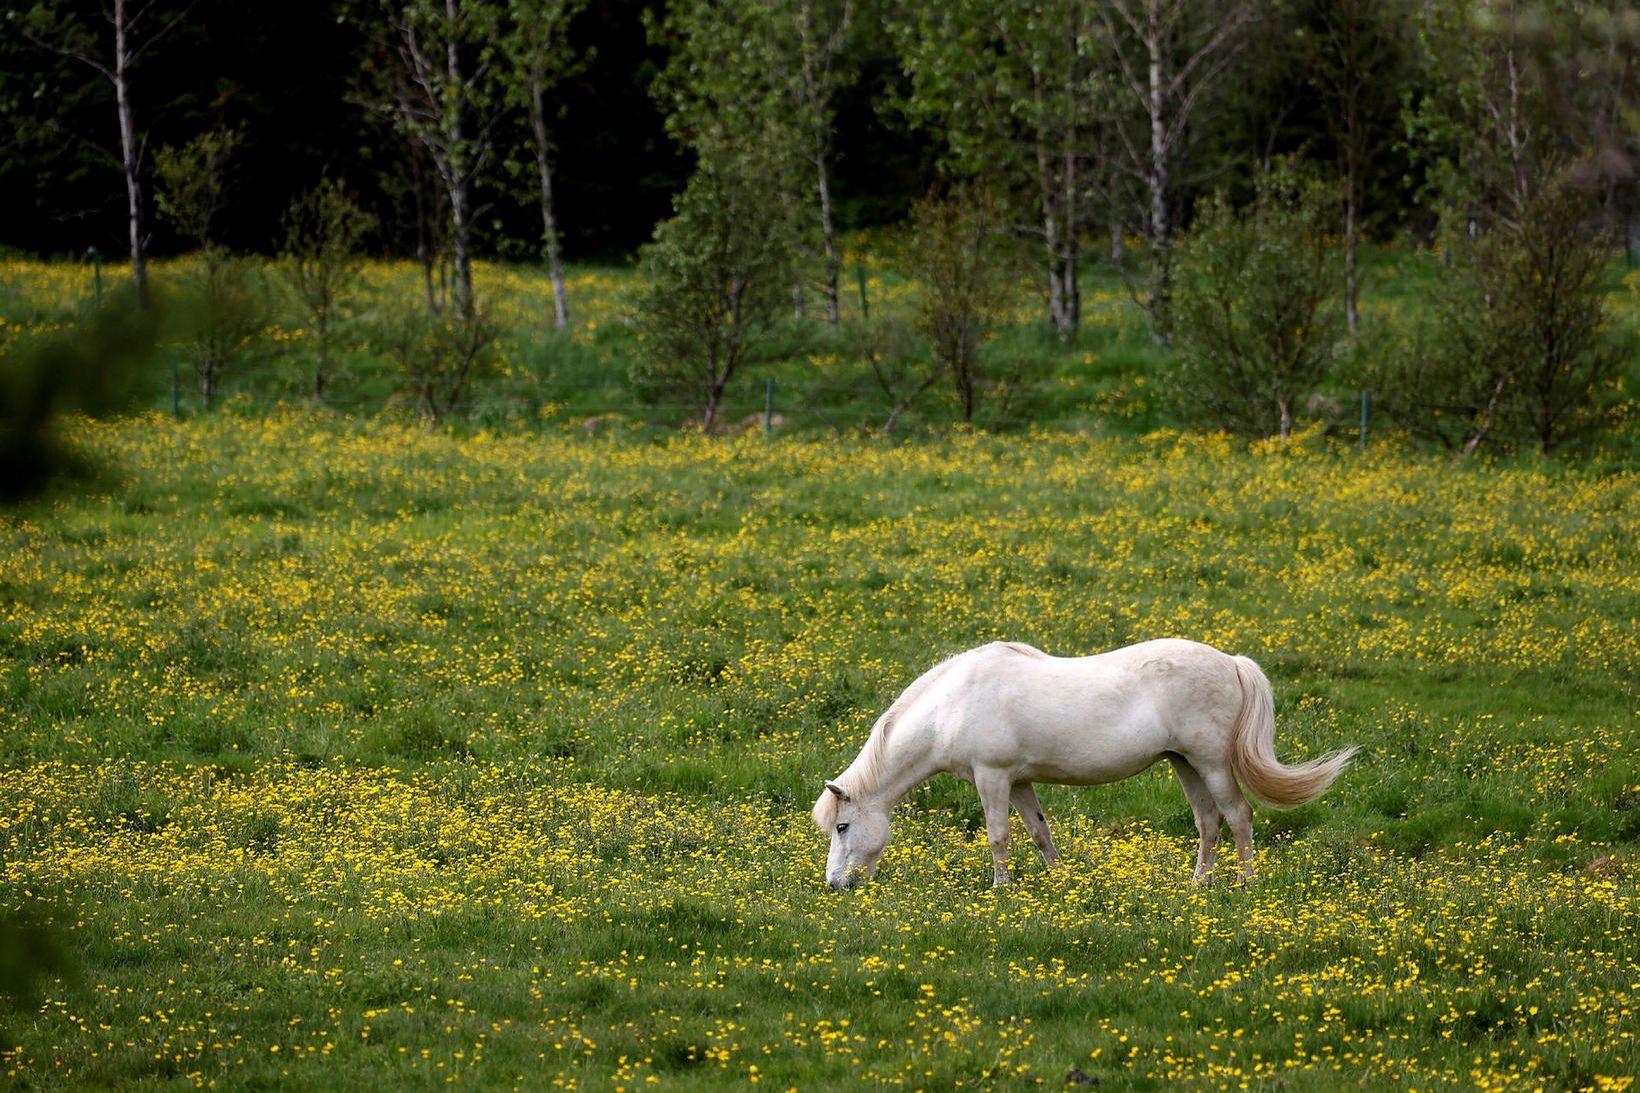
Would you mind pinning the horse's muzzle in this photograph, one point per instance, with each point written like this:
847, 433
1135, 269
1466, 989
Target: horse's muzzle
852, 877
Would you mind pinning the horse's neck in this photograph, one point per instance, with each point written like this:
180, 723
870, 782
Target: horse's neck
906, 761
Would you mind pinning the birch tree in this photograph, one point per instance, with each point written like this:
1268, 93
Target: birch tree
538, 57
712, 280
1356, 64
1168, 56
820, 30
768, 70
1020, 93
128, 30
432, 71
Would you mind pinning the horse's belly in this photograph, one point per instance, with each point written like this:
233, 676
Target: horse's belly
1086, 768
1074, 752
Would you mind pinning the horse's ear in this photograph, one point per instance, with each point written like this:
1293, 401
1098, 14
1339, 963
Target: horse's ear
837, 790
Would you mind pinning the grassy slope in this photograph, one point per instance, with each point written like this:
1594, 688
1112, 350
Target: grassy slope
360, 755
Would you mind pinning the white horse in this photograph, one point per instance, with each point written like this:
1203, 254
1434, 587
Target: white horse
1006, 715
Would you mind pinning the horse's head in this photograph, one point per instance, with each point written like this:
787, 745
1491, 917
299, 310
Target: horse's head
859, 831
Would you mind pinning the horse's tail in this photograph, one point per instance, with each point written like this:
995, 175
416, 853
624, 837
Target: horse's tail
1253, 754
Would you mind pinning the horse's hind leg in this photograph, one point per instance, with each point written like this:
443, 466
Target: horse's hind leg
1208, 818
994, 790
1036, 821
1237, 813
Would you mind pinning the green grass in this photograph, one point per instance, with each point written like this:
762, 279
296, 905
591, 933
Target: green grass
1109, 379
349, 755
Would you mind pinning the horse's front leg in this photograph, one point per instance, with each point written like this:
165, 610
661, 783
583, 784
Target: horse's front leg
995, 788
1036, 821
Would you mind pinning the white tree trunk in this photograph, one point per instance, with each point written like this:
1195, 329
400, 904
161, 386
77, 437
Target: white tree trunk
549, 223
828, 239
456, 169
129, 156
1161, 285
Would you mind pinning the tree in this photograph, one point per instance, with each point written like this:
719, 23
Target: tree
228, 312
1021, 94
323, 231
765, 71
1519, 348
1257, 313
193, 180
538, 57
1355, 60
133, 28
1168, 54
432, 71
441, 355
713, 279
821, 29
965, 278
1483, 127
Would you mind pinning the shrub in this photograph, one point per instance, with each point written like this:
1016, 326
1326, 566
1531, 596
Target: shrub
958, 256
224, 307
224, 296
1257, 313
321, 262
1517, 349
440, 355
715, 279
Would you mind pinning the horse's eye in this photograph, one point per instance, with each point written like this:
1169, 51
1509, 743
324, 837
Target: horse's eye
842, 828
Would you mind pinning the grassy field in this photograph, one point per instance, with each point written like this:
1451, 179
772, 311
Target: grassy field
349, 755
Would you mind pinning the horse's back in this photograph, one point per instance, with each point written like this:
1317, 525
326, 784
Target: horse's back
1095, 718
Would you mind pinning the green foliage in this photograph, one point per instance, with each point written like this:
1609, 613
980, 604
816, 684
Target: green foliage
535, 42
431, 68
1024, 97
223, 296
714, 280
441, 355
1497, 115
959, 254
1518, 345
193, 181
223, 301
761, 78
321, 261
1258, 308
91, 366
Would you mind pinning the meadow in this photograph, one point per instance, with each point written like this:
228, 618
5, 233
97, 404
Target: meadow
343, 753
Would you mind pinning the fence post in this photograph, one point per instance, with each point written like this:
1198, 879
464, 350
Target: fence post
865, 304
1366, 402
768, 405
96, 270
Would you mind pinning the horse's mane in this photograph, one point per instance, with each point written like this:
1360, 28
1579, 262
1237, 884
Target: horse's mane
866, 772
